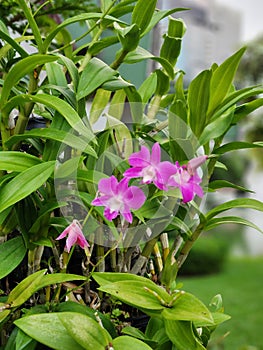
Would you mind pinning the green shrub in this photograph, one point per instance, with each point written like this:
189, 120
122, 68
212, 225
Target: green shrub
206, 257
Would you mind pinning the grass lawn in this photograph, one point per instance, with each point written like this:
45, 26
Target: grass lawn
241, 286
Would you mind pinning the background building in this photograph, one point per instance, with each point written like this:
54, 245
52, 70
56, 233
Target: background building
213, 33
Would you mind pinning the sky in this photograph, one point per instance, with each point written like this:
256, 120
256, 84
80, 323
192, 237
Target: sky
251, 12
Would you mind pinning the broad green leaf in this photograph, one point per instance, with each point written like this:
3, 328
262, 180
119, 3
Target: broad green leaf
12, 253
24, 342
148, 87
171, 46
122, 136
117, 104
182, 335
56, 278
59, 105
25, 289
127, 343
141, 54
217, 128
187, 307
143, 12
25, 183
233, 98
56, 74
129, 36
85, 331
136, 105
115, 83
93, 76
72, 70
64, 137
247, 108
222, 80
138, 334
136, 295
99, 103
233, 146
163, 83
20, 69
31, 284
71, 306
216, 184
235, 203
17, 161
214, 222
50, 331
198, 99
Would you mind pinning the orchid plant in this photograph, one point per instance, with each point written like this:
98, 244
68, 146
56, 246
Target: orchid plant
103, 182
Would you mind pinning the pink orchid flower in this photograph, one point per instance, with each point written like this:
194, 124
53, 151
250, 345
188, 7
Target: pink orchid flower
185, 178
149, 167
75, 236
118, 198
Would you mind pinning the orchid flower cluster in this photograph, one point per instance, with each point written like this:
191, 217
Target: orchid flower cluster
119, 198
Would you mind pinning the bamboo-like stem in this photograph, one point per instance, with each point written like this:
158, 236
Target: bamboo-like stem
115, 64
158, 257
143, 258
165, 245
188, 245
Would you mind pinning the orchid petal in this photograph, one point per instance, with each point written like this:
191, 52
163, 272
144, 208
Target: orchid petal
156, 154
141, 158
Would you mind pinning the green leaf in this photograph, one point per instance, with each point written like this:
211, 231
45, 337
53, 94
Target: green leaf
99, 103
171, 46
25, 183
141, 54
133, 290
84, 330
127, 343
17, 161
13, 43
93, 76
222, 80
217, 128
59, 105
182, 336
31, 284
55, 74
214, 222
198, 99
216, 184
235, 203
78, 18
50, 331
129, 36
64, 137
233, 146
148, 87
187, 307
20, 69
25, 289
159, 15
143, 12
12, 252
117, 104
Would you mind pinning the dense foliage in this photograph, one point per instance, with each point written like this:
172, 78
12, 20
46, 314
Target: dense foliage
103, 183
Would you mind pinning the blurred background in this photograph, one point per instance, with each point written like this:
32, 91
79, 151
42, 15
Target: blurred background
229, 260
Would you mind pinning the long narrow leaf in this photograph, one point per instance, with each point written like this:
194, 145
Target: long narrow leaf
235, 203
17, 161
25, 183
214, 222
20, 69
